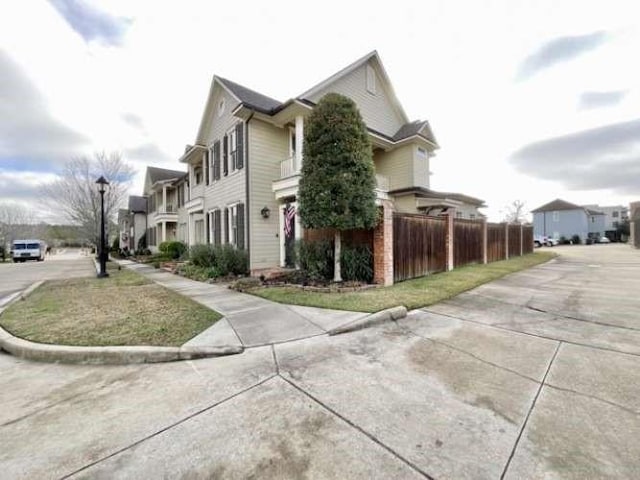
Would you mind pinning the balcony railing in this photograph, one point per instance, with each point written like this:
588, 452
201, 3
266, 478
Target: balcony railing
168, 208
288, 168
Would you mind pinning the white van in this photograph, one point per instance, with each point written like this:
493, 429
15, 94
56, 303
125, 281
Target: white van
23, 250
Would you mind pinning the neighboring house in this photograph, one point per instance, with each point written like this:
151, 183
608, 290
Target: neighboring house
614, 216
560, 218
244, 167
634, 224
132, 222
165, 192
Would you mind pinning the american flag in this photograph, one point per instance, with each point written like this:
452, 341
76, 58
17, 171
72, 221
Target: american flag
289, 216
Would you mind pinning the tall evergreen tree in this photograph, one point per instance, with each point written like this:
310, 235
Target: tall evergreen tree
337, 187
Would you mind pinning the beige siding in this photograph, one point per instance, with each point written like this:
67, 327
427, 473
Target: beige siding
397, 165
232, 188
420, 169
405, 204
377, 110
268, 146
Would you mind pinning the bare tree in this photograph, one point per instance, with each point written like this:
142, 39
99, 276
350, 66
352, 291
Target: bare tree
515, 212
17, 221
75, 192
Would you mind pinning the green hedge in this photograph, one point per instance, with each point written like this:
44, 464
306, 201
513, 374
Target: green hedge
224, 260
173, 249
316, 261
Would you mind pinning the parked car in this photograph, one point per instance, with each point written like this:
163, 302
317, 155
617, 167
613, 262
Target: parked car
604, 240
540, 240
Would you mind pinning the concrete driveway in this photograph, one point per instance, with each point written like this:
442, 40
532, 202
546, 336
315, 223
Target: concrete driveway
533, 376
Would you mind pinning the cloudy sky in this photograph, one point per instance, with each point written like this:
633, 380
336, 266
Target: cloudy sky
529, 100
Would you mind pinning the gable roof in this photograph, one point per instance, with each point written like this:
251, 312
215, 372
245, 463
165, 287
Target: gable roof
372, 57
159, 174
593, 212
251, 98
418, 127
137, 204
557, 204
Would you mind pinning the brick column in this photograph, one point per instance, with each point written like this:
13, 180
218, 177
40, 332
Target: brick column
383, 247
449, 239
506, 241
484, 241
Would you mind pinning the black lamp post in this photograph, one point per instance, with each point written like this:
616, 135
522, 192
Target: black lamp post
102, 186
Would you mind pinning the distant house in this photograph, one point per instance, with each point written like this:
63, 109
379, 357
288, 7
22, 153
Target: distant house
560, 218
164, 191
614, 216
132, 222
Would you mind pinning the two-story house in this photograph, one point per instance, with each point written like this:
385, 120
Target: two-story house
164, 191
560, 218
244, 166
614, 216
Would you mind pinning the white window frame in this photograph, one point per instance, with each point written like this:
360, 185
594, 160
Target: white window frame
292, 142
232, 224
195, 175
232, 149
371, 80
210, 161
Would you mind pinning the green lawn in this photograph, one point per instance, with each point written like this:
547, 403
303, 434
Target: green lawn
412, 294
123, 309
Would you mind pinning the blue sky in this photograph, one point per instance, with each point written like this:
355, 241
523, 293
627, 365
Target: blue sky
529, 100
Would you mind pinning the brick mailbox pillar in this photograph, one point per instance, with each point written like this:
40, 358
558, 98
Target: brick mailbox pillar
383, 247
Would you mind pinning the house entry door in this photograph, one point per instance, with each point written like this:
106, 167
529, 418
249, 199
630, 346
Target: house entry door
289, 236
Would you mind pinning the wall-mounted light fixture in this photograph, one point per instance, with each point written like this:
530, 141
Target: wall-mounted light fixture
265, 212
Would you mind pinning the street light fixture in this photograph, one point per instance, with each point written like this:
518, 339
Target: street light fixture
102, 187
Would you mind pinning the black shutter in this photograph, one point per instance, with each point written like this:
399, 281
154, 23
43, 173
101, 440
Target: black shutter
239, 145
240, 224
225, 156
226, 225
216, 160
206, 167
207, 227
217, 224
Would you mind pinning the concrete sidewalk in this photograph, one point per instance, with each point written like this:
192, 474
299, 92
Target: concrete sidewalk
248, 321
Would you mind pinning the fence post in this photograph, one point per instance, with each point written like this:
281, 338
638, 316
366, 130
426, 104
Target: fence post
521, 240
506, 241
484, 241
449, 238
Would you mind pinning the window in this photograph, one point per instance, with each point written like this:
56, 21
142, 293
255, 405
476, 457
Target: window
371, 80
234, 225
221, 105
593, 219
422, 153
472, 216
233, 148
292, 142
614, 214
458, 214
556, 216
197, 174
215, 227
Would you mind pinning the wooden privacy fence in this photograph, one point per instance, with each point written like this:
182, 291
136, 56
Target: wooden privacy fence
419, 246
467, 242
424, 244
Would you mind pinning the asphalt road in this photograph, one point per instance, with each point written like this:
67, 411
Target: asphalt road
536, 375
65, 263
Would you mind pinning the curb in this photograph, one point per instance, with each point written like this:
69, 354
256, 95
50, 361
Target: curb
393, 313
107, 355
116, 355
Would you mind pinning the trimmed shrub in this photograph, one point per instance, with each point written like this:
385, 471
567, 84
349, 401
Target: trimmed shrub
142, 243
225, 259
173, 249
203, 255
316, 259
576, 239
357, 264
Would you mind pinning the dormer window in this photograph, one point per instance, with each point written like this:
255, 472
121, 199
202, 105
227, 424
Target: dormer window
371, 80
